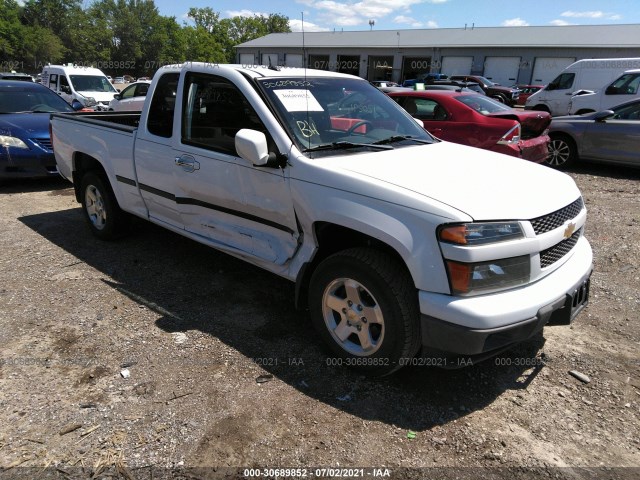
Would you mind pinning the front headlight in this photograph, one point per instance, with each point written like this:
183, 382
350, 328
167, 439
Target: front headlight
484, 277
8, 141
480, 233
477, 277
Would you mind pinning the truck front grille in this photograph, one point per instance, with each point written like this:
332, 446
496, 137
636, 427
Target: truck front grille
551, 255
549, 222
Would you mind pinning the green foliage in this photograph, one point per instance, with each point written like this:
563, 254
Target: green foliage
121, 36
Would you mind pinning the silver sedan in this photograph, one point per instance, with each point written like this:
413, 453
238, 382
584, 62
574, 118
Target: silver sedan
610, 136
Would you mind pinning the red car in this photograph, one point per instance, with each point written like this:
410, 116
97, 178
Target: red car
479, 121
526, 91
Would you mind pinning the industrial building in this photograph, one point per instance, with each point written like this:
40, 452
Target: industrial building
505, 55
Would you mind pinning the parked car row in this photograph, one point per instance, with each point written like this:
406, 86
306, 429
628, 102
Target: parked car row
609, 136
587, 86
25, 143
448, 109
469, 118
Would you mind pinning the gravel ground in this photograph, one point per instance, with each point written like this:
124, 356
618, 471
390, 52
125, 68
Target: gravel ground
155, 356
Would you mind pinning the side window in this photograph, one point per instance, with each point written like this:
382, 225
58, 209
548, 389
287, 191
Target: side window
142, 89
214, 111
630, 112
625, 85
427, 109
53, 81
128, 92
160, 120
64, 84
565, 81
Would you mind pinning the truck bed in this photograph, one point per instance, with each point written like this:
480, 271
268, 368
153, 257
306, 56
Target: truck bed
121, 121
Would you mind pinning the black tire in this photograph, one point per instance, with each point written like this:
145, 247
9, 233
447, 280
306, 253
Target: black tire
352, 285
101, 210
562, 152
500, 98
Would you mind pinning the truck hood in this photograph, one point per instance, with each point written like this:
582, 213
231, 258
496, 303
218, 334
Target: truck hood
484, 185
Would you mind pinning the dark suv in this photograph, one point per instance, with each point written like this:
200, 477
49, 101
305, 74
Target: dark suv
506, 95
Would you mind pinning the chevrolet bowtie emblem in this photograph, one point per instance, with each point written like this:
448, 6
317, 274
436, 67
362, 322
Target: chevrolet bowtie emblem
569, 230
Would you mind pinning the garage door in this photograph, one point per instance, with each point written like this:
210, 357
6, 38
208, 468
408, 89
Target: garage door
293, 60
546, 69
247, 59
502, 70
270, 59
456, 65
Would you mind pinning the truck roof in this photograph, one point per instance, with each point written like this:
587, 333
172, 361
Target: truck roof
74, 69
257, 71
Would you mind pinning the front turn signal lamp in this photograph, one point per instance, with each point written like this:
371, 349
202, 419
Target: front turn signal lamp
485, 277
480, 233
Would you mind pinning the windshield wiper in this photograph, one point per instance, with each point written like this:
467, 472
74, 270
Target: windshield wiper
346, 145
399, 138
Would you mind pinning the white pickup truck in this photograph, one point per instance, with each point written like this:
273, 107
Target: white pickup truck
396, 241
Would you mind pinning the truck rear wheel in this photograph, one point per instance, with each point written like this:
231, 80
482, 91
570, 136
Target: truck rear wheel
364, 306
100, 207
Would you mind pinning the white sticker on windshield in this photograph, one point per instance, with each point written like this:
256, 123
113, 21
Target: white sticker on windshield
298, 101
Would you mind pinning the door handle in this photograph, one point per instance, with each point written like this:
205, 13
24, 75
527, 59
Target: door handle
187, 163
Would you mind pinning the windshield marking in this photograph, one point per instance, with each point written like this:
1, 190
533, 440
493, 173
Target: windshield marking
298, 101
307, 128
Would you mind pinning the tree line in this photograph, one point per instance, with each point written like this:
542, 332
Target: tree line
120, 36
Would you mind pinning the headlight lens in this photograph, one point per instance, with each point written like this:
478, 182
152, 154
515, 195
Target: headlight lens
483, 277
480, 233
7, 141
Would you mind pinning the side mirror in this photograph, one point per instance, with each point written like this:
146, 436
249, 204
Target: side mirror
611, 90
252, 146
551, 86
117, 96
65, 89
418, 121
76, 105
603, 115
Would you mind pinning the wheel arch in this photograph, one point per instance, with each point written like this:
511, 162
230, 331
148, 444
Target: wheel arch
83, 163
332, 238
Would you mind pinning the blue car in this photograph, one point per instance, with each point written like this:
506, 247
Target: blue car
25, 142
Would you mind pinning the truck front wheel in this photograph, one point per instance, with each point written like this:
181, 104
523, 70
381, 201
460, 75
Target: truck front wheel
364, 306
100, 207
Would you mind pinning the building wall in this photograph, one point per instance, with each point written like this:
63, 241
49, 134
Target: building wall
343, 59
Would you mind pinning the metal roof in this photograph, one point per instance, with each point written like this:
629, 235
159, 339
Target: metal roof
585, 36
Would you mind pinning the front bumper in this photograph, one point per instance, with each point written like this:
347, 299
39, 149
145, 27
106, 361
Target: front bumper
23, 163
484, 325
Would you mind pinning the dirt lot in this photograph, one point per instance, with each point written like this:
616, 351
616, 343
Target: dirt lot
155, 356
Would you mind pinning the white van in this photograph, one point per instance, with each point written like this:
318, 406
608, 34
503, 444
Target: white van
589, 74
88, 85
622, 89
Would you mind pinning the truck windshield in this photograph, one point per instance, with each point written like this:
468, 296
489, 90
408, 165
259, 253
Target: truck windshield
330, 114
92, 83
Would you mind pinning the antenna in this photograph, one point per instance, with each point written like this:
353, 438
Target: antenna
304, 63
